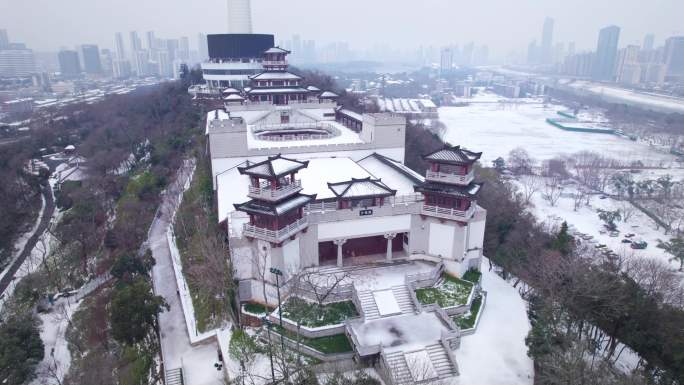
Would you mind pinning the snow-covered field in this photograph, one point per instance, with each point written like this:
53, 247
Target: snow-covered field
496, 353
496, 129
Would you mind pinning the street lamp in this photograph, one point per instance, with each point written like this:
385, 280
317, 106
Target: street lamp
269, 324
277, 274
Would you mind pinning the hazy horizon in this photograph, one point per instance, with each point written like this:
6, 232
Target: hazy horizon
503, 25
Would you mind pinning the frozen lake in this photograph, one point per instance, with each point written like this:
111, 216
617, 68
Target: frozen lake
496, 129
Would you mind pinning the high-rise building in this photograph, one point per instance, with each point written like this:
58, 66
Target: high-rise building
17, 63
90, 58
239, 16
446, 61
649, 40
571, 48
150, 41
119, 46
628, 70
107, 60
184, 49
202, 47
547, 42
532, 53
69, 63
4, 39
606, 53
164, 63
674, 58
140, 63
122, 69
136, 44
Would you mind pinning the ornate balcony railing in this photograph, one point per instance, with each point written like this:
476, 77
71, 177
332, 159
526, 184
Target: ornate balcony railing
274, 62
443, 177
275, 236
266, 192
448, 213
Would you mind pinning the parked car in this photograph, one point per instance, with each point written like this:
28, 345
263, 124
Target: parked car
626, 240
630, 235
639, 245
614, 234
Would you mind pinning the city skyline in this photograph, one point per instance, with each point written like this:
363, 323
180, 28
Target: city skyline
438, 23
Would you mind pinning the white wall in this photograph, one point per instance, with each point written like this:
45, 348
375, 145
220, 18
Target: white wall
441, 240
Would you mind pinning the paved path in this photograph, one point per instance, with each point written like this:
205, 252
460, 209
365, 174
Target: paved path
31, 243
197, 362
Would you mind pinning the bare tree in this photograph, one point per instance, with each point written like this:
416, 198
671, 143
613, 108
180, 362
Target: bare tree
529, 185
579, 197
520, 162
627, 210
322, 286
552, 190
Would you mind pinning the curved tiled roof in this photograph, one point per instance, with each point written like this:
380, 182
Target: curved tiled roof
273, 167
358, 188
453, 155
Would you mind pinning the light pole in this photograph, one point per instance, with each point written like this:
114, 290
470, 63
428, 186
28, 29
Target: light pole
270, 349
277, 274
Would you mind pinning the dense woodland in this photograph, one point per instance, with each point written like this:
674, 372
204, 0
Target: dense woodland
584, 308
133, 145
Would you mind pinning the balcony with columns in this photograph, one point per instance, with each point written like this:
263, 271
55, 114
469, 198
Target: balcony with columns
450, 177
274, 235
273, 191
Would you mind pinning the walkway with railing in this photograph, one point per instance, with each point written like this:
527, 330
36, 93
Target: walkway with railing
276, 236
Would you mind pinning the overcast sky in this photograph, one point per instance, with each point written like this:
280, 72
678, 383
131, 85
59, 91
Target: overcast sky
46, 25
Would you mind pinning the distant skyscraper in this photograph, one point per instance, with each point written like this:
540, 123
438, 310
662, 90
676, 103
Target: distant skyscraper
150, 41
136, 44
571, 48
202, 47
606, 53
184, 49
532, 53
628, 70
69, 64
119, 46
649, 41
165, 63
17, 63
4, 39
674, 58
90, 56
140, 63
239, 16
446, 62
547, 42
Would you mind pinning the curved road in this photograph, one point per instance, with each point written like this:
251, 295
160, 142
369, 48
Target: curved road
31, 243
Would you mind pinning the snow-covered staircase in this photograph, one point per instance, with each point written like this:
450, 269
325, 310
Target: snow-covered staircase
401, 294
440, 361
174, 377
370, 308
398, 368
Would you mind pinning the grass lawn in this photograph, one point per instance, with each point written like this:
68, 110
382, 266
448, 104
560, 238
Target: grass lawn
467, 321
313, 315
256, 308
450, 292
339, 343
472, 275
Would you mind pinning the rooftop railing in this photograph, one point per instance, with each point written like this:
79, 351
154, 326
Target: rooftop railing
444, 177
448, 213
266, 192
275, 236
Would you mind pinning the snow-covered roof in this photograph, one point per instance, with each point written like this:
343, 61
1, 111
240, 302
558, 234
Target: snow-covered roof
453, 155
273, 167
313, 89
319, 173
469, 191
269, 75
358, 188
288, 90
231, 91
392, 173
69, 147
328, 94
276, 50
233, 97
277, 208
352, 114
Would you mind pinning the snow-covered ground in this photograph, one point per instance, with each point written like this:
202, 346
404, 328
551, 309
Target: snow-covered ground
496, 129
496, 353
585, 220
622, 95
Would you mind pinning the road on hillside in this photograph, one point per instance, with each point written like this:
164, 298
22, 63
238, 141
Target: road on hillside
31, 243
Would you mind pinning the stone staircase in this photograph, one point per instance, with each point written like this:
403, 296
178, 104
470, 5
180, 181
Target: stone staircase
398, 368
174, 377
440, 360
403, 297
370, 308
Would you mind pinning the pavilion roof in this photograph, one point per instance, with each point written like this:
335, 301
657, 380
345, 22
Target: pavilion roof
469, 191
453, 155
361, 188
273, 167
275, 208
